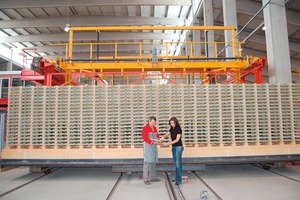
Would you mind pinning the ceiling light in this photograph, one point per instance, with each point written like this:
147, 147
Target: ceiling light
67, 28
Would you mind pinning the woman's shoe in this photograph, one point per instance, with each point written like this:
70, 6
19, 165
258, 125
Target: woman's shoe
147, 182
155, 180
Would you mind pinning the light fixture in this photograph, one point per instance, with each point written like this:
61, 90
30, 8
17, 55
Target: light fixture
67, 27
264, 28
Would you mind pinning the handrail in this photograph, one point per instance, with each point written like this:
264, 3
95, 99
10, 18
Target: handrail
232, 29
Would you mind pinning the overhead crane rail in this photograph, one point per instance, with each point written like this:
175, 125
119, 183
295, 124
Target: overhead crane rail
116, 58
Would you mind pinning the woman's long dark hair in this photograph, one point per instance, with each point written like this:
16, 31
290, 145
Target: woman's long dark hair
175, 120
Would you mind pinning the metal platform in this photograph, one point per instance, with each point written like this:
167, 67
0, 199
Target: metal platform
162, 161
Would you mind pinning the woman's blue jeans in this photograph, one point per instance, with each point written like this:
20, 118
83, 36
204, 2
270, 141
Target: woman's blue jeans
177, 158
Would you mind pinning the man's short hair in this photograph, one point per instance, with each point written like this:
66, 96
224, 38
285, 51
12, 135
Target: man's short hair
152, 118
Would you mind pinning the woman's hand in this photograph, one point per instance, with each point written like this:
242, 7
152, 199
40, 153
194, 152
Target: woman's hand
166, 144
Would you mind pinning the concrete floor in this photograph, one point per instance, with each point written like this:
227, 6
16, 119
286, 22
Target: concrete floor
230, 182
249, 182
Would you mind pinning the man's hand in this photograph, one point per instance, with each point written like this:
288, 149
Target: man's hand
156, 141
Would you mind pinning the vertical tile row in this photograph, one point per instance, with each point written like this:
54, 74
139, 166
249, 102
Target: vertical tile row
188, 114
126, 117
295, 100
226, 109
239, 114
50, 115
215, 115
14, 107
286, 113
63, 111
165, 107
252, 121
113, 116
263, 115
99, 110
138, 99
88, 115
202, 122
30, 127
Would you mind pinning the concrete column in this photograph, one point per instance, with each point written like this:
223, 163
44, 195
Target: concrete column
188, 47
209, 21
2, 129
196, 39
279, 63
9, 64
230, 19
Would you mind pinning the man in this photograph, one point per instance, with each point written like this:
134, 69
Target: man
150, 137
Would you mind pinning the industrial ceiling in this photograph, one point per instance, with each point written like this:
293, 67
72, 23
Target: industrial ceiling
40, 23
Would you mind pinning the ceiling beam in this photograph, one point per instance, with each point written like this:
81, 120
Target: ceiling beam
262, 40
88, 36
246, 51
89, 21
251, 7
14, 4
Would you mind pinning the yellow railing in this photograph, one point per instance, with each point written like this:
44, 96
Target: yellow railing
118, 49
235, 46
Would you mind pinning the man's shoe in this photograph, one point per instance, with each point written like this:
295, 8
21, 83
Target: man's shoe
147, 182
155, 180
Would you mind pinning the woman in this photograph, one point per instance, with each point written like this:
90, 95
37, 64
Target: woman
177, 148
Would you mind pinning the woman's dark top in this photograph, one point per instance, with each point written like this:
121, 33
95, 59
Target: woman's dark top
174, 132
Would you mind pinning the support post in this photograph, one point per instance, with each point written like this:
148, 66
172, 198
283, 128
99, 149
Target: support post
209, 21
230, 19
279, 63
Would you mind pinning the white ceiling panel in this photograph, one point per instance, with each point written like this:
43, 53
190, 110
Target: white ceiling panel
41, 13
28, 44
134, 11
33, 31
21, 31
81, 10
174, 11
94, 10
12, 13
3, 34
10, 32
184, 12
18, 45
30, 14
160, 11
3, 16
53, 12
146, 11
120, 10
107, 10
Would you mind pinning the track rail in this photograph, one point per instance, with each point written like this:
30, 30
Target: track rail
170, 188
180, 192
174, 191
282, 175
215, 194
25, 184
114, 187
